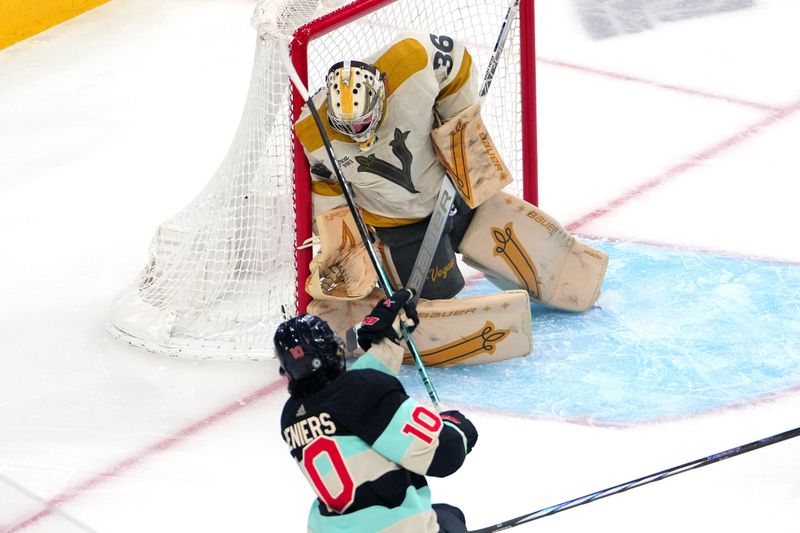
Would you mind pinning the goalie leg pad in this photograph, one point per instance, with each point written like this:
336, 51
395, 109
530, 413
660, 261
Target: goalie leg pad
341, 270
465, 148
466, 331
524, 247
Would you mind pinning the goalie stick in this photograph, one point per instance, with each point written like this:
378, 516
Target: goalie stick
383, 278
447, 192
658, 476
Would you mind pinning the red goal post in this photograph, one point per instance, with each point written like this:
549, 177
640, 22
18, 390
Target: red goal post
526, 53
222, 271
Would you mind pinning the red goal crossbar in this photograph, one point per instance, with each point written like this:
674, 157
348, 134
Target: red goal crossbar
302, 178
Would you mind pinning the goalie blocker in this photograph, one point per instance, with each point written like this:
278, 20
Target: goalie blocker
514, 243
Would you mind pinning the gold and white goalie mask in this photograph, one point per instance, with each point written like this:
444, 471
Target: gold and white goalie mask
356, 96
396, 175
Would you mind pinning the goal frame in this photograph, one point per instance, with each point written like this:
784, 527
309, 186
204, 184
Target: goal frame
302, 175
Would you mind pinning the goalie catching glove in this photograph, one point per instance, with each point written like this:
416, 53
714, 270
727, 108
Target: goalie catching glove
342, 269
380, 323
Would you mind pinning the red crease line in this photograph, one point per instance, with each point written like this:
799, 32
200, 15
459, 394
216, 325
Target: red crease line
682, 167
651, 83
719, 252
165, 444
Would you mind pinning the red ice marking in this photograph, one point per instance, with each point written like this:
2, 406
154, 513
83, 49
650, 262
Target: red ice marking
126, 464
688, 164
691, 248
669, 87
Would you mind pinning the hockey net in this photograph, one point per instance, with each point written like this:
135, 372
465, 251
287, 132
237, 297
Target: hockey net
223, 271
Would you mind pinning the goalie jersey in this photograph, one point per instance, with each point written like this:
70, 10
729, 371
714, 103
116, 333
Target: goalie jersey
365, 447
396, 180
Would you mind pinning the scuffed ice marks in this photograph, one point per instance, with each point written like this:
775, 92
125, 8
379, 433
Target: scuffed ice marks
673, 333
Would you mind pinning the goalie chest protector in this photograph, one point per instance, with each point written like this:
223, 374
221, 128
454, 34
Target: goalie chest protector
397, 179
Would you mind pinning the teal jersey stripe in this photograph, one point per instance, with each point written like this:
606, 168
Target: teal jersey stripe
458, 429
371, 519
370, 361
351, 445
394, 442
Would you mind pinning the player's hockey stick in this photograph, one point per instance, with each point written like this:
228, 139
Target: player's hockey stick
48, 508
383, 278
658, 476
447, 192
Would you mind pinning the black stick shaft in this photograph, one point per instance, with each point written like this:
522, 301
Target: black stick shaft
447, 192
505, 29
383, 278
658, 476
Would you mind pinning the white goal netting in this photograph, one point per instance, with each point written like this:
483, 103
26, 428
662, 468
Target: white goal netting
221, 269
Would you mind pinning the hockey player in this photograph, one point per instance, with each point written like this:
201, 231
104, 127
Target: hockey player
397, 120
363, 444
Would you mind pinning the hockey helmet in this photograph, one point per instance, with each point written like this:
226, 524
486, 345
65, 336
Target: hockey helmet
306, 344
356, 97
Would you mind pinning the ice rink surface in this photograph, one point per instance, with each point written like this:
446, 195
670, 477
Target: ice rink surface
673, 149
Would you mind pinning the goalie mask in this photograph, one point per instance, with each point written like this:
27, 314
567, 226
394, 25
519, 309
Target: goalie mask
306, 345
356, 96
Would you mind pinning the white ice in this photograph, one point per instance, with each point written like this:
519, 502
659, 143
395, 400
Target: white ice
111, 122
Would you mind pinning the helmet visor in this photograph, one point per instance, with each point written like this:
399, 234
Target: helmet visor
360, 125
355, 99
357, 127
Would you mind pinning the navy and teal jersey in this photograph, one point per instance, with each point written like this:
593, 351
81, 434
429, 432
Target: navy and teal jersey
365, 447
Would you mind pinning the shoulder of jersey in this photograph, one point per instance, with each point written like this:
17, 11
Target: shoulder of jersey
369, 378
362, 388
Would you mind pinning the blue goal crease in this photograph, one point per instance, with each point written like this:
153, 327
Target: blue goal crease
674, 333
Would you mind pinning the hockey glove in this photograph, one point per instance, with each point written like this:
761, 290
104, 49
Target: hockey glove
379, 324
461, 423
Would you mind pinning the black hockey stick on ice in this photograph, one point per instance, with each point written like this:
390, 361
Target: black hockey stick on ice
48, 508
383, 278
658, 476
447, 192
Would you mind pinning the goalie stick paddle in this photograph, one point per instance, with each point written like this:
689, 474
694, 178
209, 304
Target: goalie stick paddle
383, 278
433, 234
447, 192
658, 476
